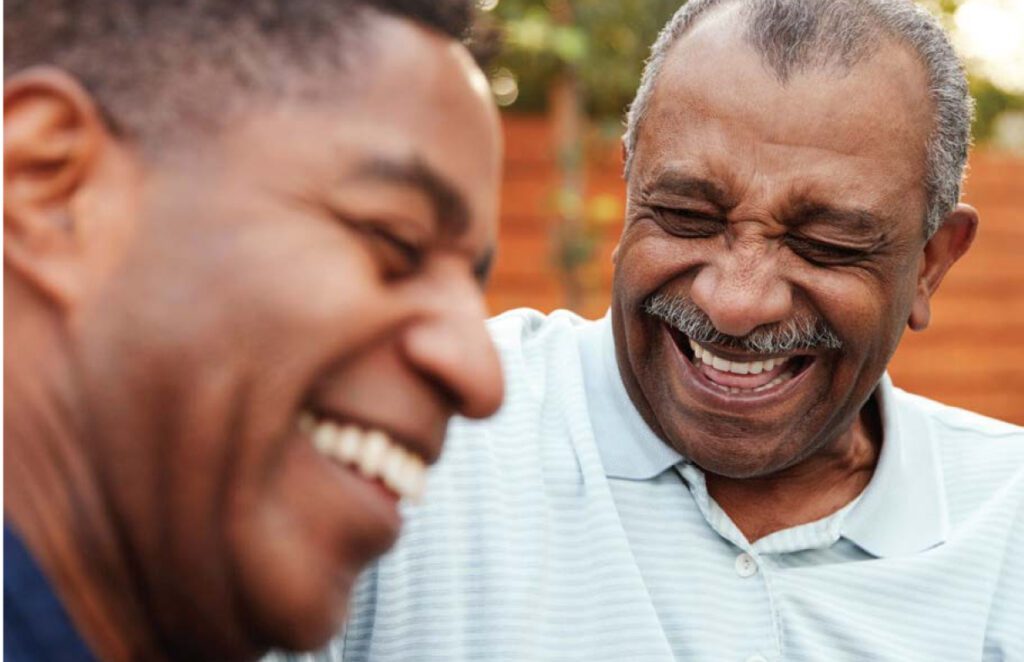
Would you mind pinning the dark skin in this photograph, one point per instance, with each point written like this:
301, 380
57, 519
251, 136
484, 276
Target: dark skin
760, 202
168, 322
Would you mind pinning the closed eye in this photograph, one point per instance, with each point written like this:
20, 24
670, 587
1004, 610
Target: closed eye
688, 223
822, 253
398, 256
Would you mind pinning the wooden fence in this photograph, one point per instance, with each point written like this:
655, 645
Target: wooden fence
972, 355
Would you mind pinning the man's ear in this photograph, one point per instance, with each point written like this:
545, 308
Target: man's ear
52, 137
946, 246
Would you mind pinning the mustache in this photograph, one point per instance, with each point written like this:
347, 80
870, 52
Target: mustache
803, 332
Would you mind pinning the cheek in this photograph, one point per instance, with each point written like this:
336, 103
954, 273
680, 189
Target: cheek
647, 260
213, 331
866, 311
278, 300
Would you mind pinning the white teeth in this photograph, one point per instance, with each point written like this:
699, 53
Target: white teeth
323, 436
371, 452
392, 470
347, 443
372, 456
736, 367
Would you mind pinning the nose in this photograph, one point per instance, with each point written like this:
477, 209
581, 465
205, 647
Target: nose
449, 343
742, 290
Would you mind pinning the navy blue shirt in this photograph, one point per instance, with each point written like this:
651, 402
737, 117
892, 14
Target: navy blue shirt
36, 627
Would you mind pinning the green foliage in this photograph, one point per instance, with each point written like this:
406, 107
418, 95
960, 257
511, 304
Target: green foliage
991, 101
603, 43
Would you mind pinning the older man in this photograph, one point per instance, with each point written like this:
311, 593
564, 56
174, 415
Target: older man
720, 469
243, 249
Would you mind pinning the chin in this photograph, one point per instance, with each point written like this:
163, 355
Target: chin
301, 623
313, 635
736, 457
731, 466
292, 594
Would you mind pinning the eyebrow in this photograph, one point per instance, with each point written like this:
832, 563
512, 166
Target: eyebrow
686, 185
450, 207
856, 220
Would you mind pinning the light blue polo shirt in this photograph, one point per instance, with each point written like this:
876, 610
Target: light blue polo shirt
564, 529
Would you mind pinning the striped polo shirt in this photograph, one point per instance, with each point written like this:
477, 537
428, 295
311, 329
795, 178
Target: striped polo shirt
564, 529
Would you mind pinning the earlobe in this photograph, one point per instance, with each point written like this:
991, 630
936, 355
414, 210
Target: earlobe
921, 310
946, 246
52, 133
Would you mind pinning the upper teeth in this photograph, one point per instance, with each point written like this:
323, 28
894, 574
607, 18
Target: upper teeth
735, 367
371, 452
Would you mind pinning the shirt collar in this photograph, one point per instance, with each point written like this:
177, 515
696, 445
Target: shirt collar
901, 511
628, 448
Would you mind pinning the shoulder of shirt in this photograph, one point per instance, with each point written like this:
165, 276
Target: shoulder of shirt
544, 414
536, 351
973, 447
523, 328
960, 423
539, 356
532, 453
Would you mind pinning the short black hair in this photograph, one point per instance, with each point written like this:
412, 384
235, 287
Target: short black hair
154, 65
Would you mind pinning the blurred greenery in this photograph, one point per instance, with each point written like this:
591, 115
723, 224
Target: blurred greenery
991, 102
604, 44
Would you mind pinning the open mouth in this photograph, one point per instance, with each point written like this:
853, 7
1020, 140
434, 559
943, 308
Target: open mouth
742, 374
370, 453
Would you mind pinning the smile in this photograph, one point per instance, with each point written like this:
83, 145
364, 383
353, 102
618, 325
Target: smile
370, 453
745, 375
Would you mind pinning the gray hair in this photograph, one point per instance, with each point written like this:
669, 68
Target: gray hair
795, 35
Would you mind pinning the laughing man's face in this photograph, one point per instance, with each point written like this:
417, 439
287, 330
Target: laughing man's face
275, 358
772, 248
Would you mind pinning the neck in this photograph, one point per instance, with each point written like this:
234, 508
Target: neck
53, 499
807, 491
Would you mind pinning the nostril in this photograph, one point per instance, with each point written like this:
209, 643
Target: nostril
453, 402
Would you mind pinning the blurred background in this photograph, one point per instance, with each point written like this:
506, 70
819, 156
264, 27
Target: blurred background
568, 70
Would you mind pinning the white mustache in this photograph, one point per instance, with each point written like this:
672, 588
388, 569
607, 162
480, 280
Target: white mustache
800, 333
